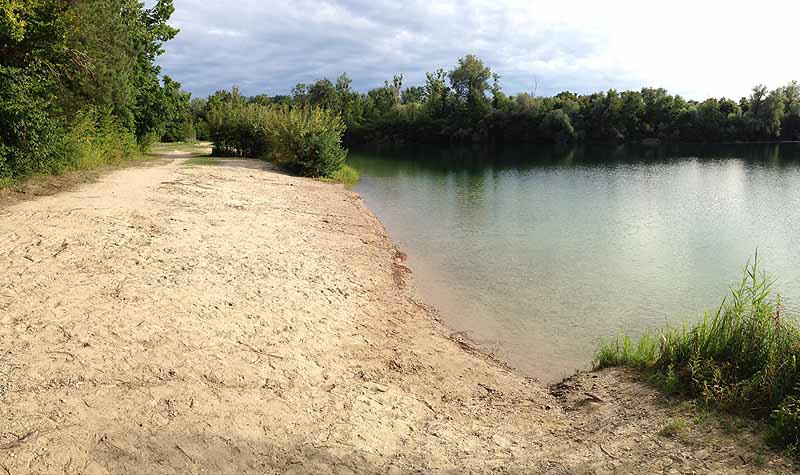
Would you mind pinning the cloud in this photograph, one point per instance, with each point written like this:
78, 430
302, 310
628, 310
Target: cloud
695, 48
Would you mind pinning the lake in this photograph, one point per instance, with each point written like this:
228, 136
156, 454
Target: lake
538, 253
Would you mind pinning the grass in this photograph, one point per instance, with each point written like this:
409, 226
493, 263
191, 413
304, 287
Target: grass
191, 148
347, 175
202, 160
742, 359
673, 427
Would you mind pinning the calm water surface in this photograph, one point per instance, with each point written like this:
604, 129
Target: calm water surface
539, 253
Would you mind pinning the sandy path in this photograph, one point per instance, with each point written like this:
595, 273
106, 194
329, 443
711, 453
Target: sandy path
231, 319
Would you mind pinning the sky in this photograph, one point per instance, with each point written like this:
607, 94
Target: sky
696, 48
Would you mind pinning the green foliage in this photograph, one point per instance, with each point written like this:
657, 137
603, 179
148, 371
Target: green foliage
470, 82
347, 175
467, 104
240, 129
624, 351
305, 140
784, 430
309, 141
78, 79
32, 133
557, 126
96, 138
178, 125
742, 358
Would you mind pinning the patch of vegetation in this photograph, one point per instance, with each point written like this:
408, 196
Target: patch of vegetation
347, 175
743, 358
201, 161
673, 427
79, 87
189, 148
306, 141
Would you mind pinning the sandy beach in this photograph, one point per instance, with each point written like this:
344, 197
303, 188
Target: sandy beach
221, 319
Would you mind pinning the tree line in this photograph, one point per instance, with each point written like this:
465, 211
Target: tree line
467, 104
79, 86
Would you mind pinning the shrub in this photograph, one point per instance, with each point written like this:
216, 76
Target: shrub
309, 141
784, 430
96, 138
347, 175
239, 129
305, 141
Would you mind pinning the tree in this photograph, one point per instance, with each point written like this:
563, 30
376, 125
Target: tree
764, 113
557, 128
437, 93
395, 88
323, 94
413, 95
470, 82
71, 71
499, 100
790, 125
351, 106
300, 94
179, 125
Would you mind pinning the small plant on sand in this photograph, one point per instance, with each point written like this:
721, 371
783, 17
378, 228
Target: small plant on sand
742, 358
673, 427
347, 175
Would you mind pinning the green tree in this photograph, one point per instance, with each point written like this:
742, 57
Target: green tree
764, 113
413, 95
323, 94
71, 69
437, 93
470, 82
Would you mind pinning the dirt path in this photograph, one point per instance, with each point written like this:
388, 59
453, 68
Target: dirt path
231, 319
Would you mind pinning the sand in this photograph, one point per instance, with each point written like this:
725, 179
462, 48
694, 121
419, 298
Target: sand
232, 319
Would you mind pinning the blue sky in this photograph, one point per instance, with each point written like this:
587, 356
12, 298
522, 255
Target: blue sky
696, 48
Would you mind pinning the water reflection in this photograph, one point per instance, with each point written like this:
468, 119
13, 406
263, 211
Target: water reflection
540, 251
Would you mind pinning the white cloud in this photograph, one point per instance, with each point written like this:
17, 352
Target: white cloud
697, 48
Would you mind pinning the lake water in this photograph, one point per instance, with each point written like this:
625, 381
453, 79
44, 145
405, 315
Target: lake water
538, 253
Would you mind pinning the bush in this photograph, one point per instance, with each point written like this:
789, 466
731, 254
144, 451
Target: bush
95, 139
784, 430
305, 141
743, 358
242, 130
309, 141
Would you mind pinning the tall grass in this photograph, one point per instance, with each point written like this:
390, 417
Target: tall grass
742, 358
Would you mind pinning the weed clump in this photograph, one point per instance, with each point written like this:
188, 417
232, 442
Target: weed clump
743, 358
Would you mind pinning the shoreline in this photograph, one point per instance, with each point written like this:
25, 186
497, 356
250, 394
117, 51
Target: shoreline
234, 319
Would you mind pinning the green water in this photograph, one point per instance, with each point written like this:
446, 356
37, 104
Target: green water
538, 253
